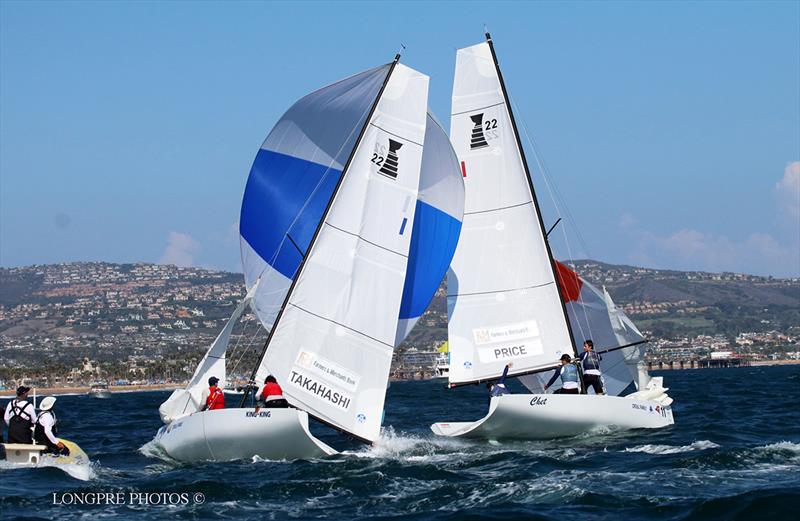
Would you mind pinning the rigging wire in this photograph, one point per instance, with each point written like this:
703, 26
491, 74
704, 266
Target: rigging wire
558, 203
238, 337
247, 347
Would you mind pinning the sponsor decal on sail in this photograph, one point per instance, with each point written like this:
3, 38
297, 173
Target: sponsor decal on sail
311, 386
506, 332
328, 370
511, 341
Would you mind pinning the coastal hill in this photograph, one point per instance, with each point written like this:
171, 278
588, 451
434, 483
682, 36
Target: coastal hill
137, 315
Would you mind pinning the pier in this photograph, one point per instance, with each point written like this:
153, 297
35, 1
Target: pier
702, 363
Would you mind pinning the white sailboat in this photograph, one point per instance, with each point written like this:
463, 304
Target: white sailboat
347, 228
509, 300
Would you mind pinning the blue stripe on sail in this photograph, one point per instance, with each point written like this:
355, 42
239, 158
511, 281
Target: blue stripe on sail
277, 189
433, 244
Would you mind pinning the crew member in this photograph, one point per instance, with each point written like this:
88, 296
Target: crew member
19, 417
591, 368
569, 377
46, 429
271, 395
499, 388
212, 398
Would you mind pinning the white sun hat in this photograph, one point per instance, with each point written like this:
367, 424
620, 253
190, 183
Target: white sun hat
47, 403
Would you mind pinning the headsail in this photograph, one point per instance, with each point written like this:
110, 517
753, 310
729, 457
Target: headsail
186, 401
292, 180
331, 346
594, 316
503, 299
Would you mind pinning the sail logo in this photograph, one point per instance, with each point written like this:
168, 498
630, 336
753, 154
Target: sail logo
387, 160
506, 332
482, 131
318, 389
327, 370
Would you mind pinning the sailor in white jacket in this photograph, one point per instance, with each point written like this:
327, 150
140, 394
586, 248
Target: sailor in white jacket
46, 428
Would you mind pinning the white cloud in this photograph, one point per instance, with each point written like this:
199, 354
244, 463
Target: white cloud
788, 190
758, 253
180, 251
688, 249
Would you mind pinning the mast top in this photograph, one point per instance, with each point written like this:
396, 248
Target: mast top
488, 37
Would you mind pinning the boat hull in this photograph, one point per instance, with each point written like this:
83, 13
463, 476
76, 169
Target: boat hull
548, 416
232, 434
100, 394
33, 454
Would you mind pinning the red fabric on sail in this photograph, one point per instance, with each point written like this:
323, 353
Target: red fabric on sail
569, 282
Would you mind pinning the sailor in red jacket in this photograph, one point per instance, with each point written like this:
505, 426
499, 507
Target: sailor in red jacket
271, 395
214, 398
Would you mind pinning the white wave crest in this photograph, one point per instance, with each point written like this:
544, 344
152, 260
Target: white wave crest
672, 449
409, 447
782, 447
152, 449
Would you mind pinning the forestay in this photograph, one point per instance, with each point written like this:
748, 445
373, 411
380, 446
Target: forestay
594, 316
503, 300
332, 345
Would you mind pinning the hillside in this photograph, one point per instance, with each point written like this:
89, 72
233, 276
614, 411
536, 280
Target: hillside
139, 312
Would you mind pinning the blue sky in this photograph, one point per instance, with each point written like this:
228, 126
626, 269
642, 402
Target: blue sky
671, 130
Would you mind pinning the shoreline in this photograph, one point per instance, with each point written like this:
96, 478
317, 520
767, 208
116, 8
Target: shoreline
60, 391
753, 363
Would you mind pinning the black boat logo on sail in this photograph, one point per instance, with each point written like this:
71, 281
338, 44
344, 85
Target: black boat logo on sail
477, 139
389, 164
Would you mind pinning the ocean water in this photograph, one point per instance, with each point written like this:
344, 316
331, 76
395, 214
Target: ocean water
734, 453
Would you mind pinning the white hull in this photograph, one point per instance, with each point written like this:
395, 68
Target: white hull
547, 416
100, 394
231, 434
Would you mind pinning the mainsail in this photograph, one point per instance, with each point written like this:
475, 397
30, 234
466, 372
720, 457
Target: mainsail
345, 227
503, 298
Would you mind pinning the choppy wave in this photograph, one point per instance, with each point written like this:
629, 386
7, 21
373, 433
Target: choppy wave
671, 449
716, 462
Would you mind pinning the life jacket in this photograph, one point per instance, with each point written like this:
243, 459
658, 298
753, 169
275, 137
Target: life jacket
271, 391
216, 398
38, 431
591, 360
569, 373
20, 423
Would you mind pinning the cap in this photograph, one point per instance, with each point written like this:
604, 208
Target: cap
47, 403
213, 380
566, 357
22, 390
